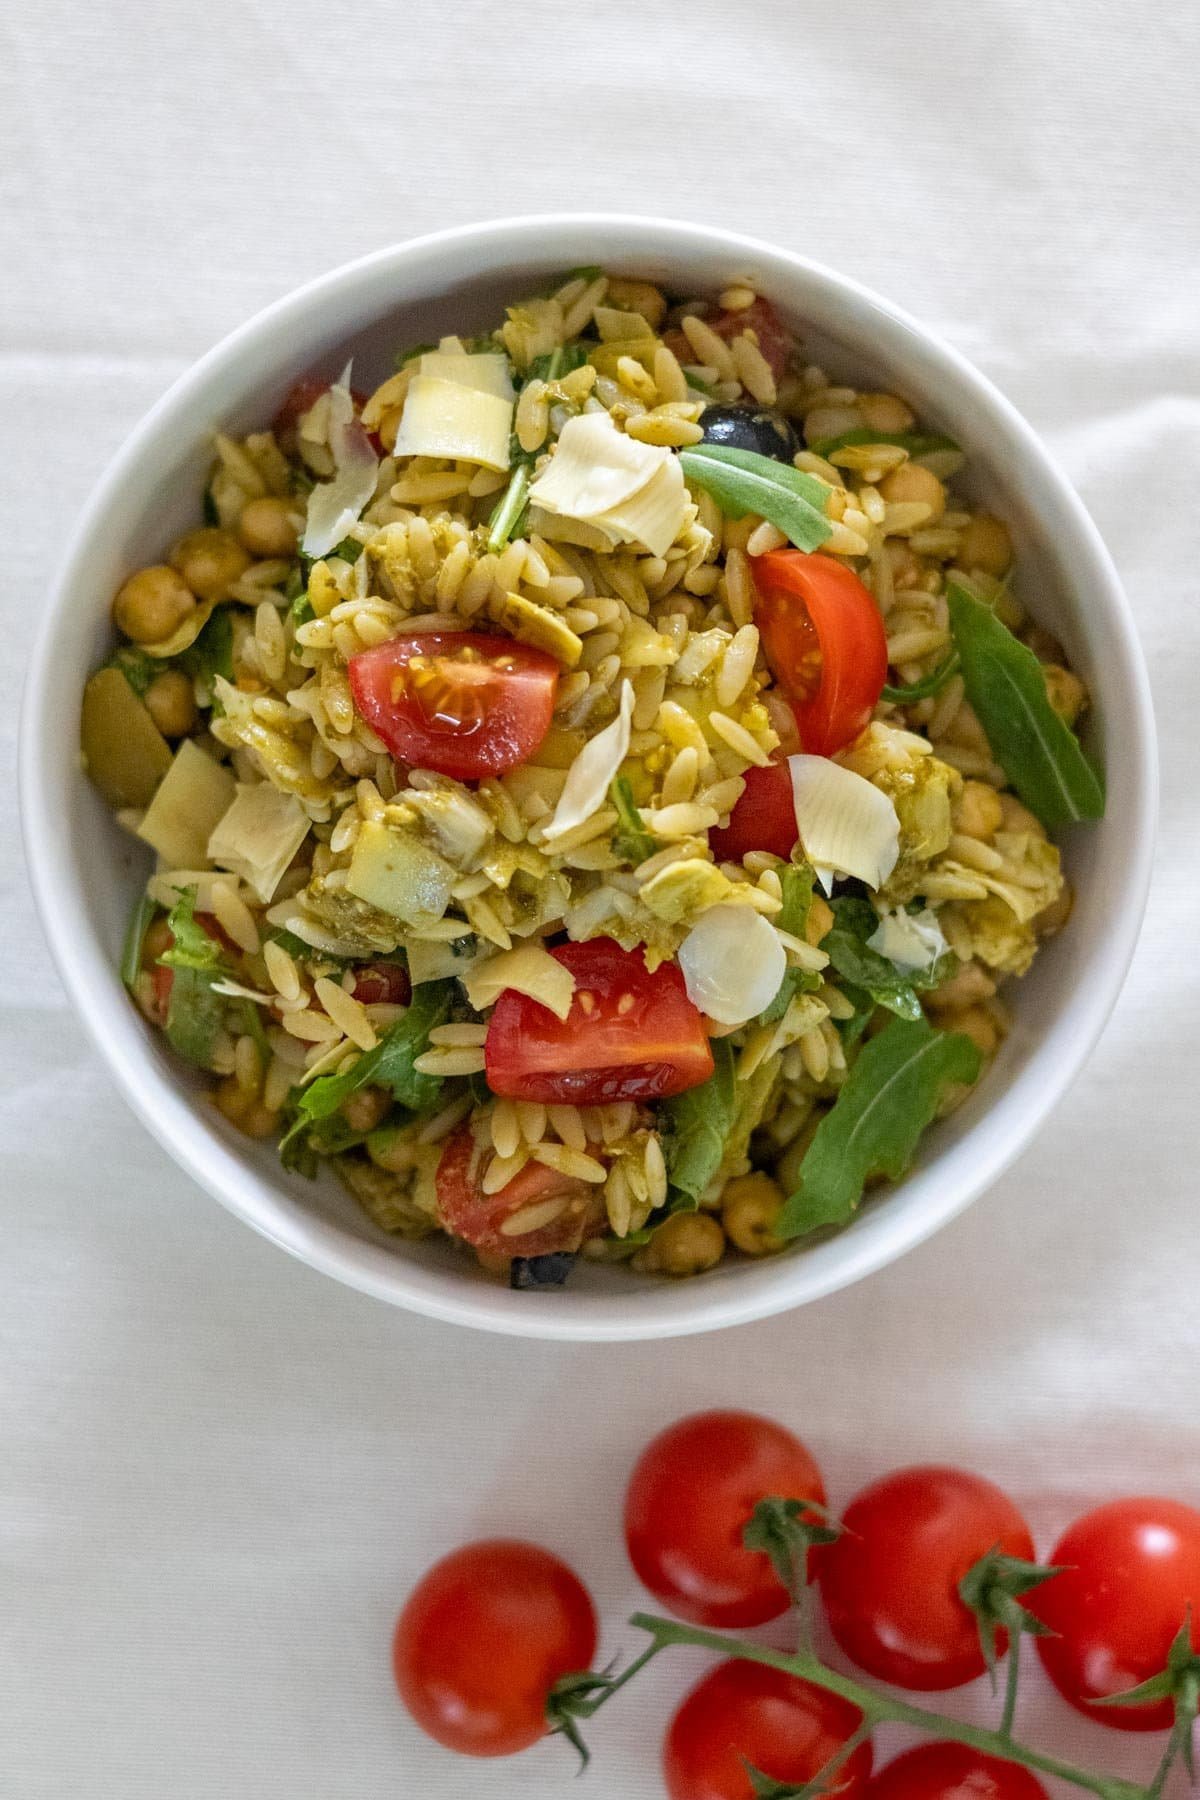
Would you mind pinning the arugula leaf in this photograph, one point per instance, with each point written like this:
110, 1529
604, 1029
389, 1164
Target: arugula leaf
630, 840
138, 669
795, 981
917, 443
556, 363
741, 482
295, 946
350, 549
698, 382
139, 924
212, 653
302, 611
194, 1012
873, 1128
854, 921
1006, 685
695, 1125
511, 508
930, 684
389, 1064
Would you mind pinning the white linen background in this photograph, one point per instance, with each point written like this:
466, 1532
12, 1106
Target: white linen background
220, 1472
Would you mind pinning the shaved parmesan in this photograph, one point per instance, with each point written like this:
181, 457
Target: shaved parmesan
913, 941
258, 836
733, 963
335, 506
191, 797
444, 418
846, 825
591, 774
632, 493
654, 515
487, 372
529, 969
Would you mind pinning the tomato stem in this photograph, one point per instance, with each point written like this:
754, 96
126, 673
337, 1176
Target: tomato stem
1012, 1676
876, 1708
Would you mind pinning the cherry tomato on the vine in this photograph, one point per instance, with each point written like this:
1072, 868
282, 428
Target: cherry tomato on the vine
482, 1639
824, 638
1130, 1571
690, 1496
942, 1771
890, 1582
744, 1712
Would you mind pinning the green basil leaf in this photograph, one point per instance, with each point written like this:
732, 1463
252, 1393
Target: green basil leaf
930, 684
630, 840
1005, 684
389, 1064
797, 481
917, 443
739, 490
876, 1122
845, 944
695, 1125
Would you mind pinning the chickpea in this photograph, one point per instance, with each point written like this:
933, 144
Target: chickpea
152, 604
907, 568
750, 1206
884, 412
684, 1244
909, 483
977, 1024
1018, 817
1052, 918
638, 296
787, 1169
978, 812
986, 545
1065, 691
266, 527
819, 921
244, 1110
171, 703
208, 560
966, 987
366, 1109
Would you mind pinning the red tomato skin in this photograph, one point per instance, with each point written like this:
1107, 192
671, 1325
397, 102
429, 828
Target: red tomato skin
774, 339
808, 603
382, 983
656, 1047
691, 1493
1130, 1571
475, 1217
506, 712
481, 1640
954, 1772
784, 1726
763, 819
890, 1581
162, 976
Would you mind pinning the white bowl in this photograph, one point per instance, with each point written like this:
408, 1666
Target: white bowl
86, 872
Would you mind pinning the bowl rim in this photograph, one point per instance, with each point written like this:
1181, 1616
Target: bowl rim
157, 1098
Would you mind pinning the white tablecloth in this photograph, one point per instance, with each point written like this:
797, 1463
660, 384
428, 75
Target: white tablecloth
219, 1472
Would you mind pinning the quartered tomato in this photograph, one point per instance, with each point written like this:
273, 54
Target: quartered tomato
630, 1034
561, 1212
483, 1638
743, 1712
763, 819
953, 1772
463, 703
774, 338
1130, 1577
824, 639
382, 982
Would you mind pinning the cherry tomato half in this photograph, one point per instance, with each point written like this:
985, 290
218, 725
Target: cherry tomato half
630, 1034
480, 1219
824, 639
462, 703
382, 982
744, 1712
763, 819
890, 1583
482, 1639
954, 1772
1130, 1570
689, 1498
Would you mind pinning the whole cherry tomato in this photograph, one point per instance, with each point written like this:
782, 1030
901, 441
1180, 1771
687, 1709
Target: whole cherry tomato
744, 1712
954, 1772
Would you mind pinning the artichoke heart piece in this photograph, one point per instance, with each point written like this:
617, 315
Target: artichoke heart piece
395, 872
